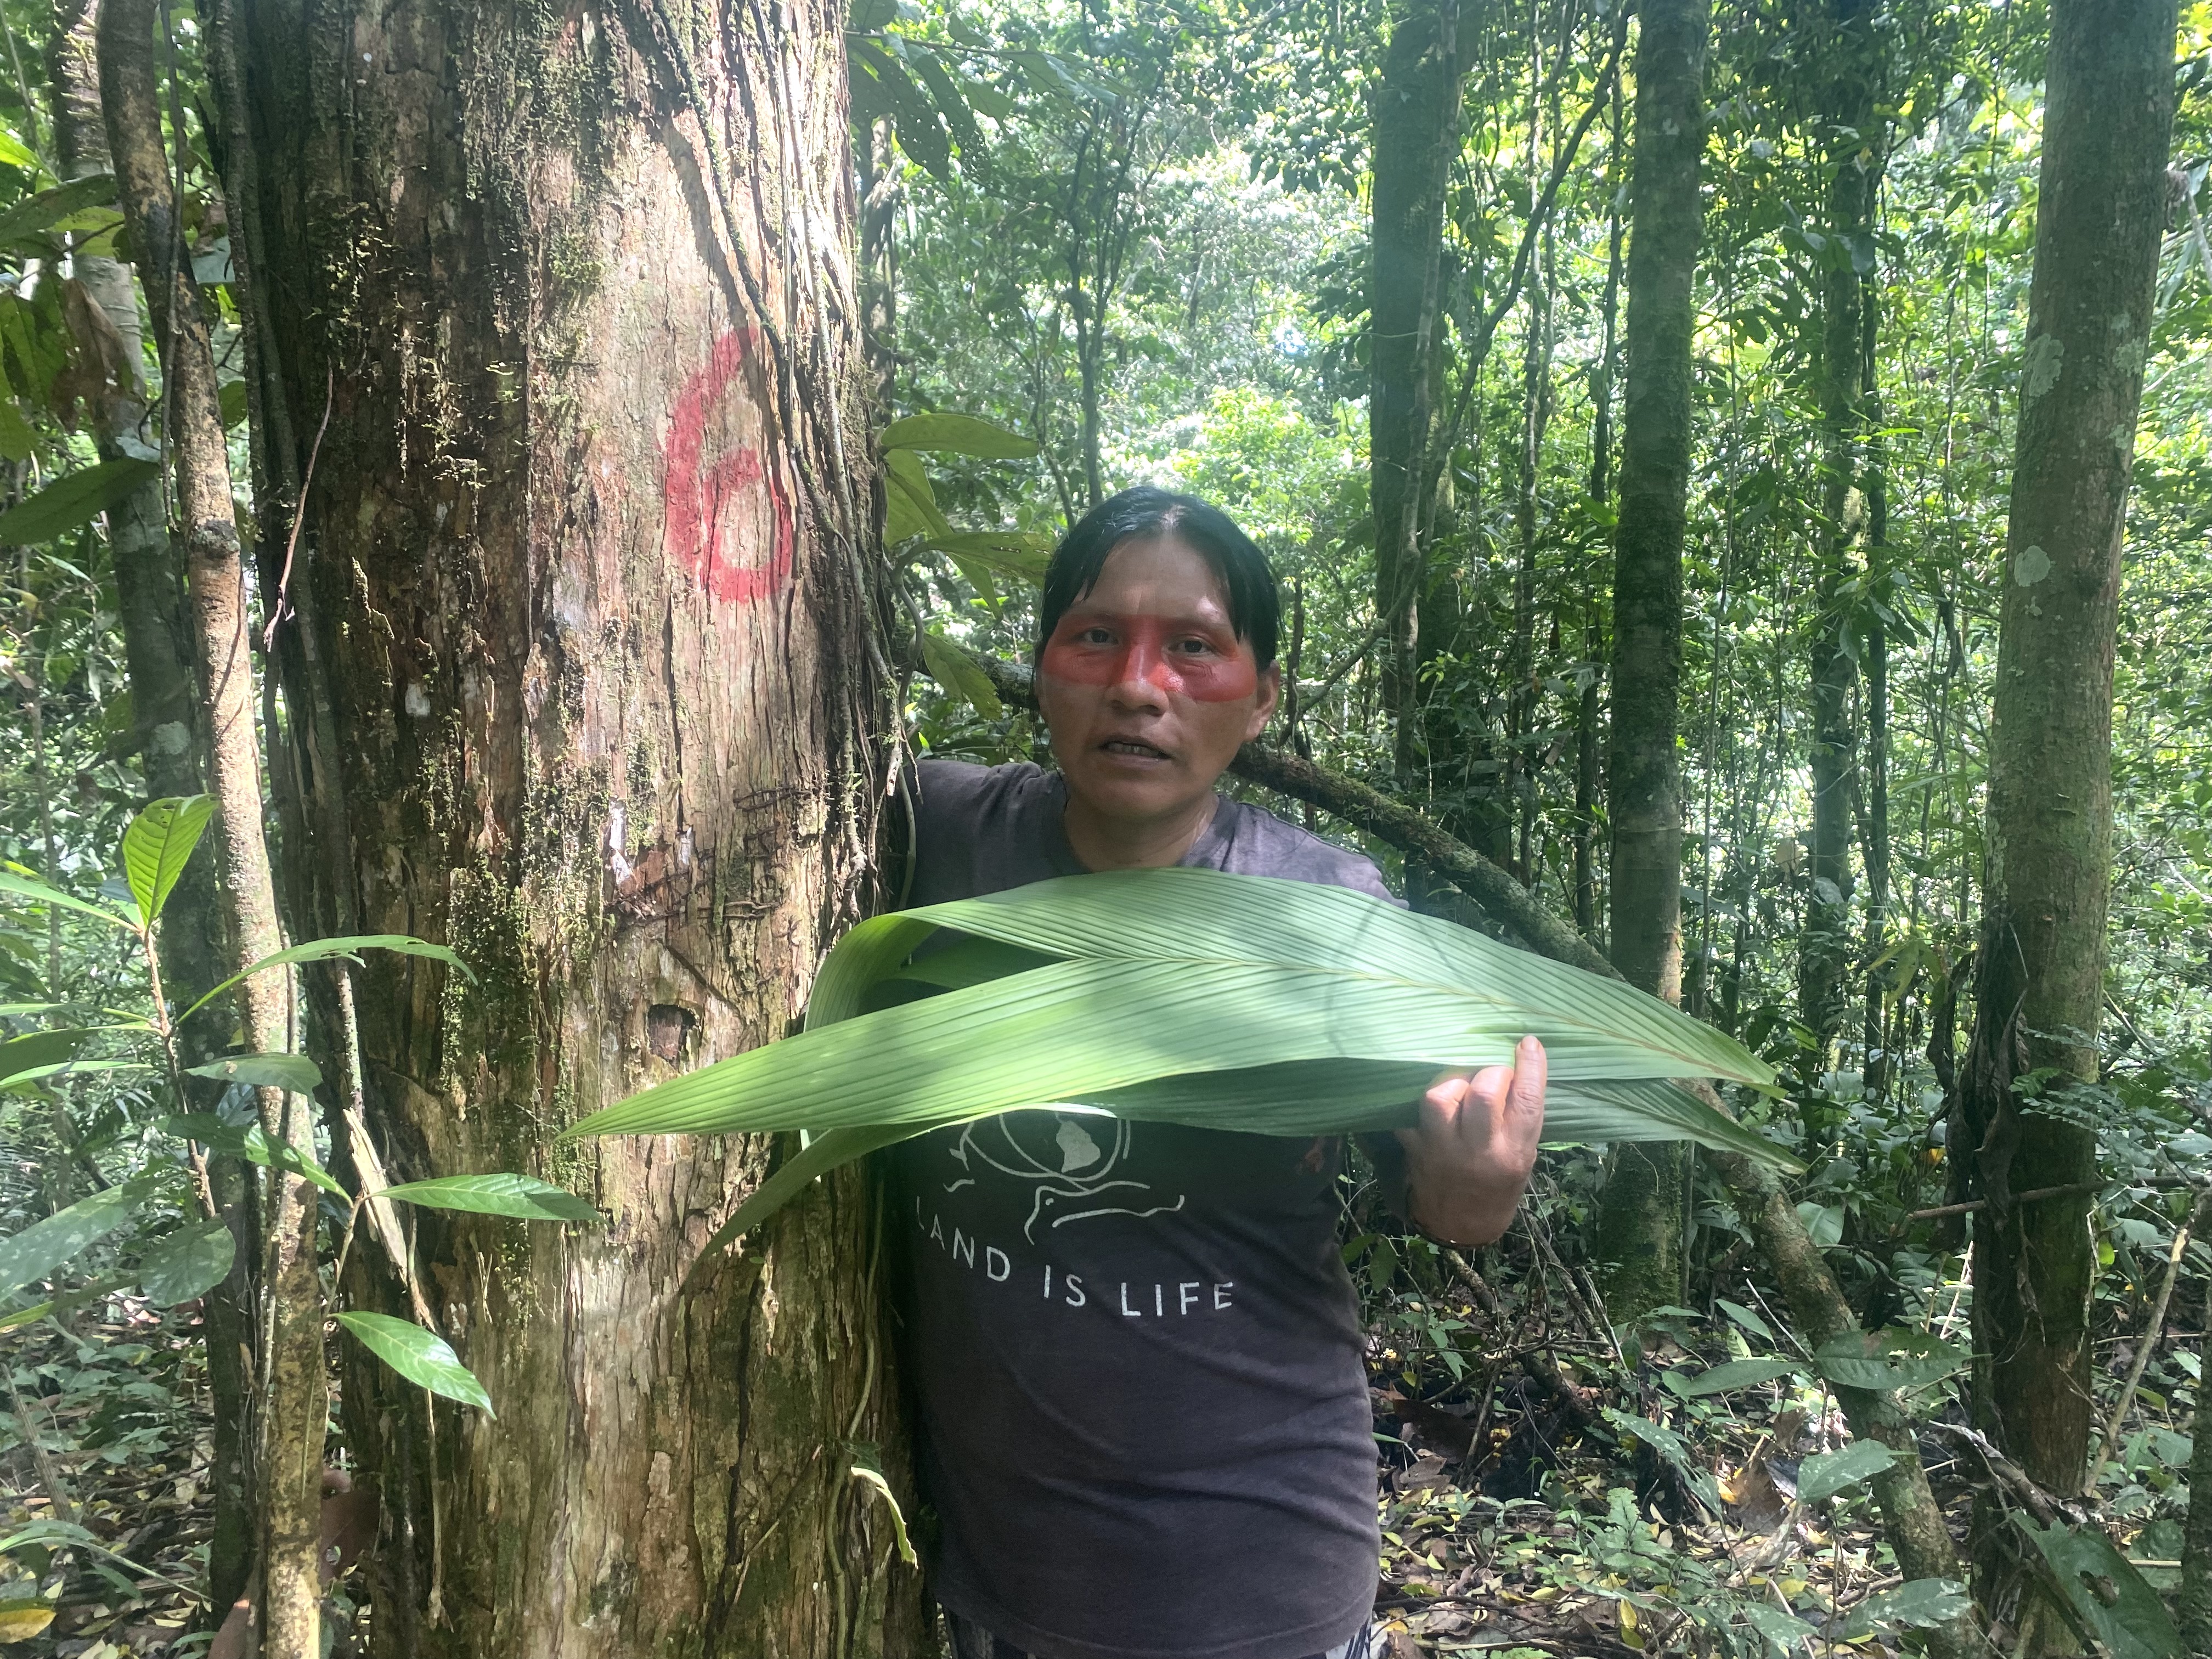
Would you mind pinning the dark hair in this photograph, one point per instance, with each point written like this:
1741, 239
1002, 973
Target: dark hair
1143, 514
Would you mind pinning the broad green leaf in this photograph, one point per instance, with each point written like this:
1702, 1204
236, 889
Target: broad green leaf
73, 499
73, 1068
249, 1142
910, 504
322, 950
1784, 1629
92, 1291
294, 1073
955, 670
884, 85
945, 92
519, 1195
1744, 1316
1675, 1450
1886, 1359
187, 1263
2104, 1595
38, 893
41, 1053
987, 98
1824, 1222
423, 1357
1820, 1479
47, 208
958, 435
232, 400
1192, 997
157, 846
1170, 972
1020, 554
16, 153
33, 1253
1923, 1604
1722, 1379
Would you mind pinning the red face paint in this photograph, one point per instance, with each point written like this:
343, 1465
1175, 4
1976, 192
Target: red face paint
1176, 658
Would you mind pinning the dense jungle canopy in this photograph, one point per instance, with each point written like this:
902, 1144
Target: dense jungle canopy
493, 496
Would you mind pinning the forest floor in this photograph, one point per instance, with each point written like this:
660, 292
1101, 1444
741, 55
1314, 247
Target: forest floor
1522, 1515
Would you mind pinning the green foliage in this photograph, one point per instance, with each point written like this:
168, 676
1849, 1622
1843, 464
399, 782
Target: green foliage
1194, 996
519, 1195
73, 501
156, 846
187, 1263
423, 1357
40, 1248
293, 1071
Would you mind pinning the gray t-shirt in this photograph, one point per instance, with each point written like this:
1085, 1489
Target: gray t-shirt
1135, 1351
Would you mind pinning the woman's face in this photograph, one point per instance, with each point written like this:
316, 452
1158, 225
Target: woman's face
1147, 687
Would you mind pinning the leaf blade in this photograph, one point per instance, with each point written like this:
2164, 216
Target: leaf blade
158, 844
74, 499
322, 950
187, 1263
523, 1197
423, 1357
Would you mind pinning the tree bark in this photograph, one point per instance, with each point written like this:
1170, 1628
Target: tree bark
169, 730
1416, 133
2195, 1607
1852, 159
1641, 1212
1589, 733
294, 1399
581, 581
2107, 125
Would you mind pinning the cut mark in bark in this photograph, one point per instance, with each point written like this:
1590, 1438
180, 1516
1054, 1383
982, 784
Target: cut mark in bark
718, 485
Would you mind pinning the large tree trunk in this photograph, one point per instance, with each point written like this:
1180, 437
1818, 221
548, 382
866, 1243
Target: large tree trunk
1640, 1217
2108, 118
1416, 133
581, 592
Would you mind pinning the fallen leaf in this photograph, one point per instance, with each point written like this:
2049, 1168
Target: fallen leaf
20, 1620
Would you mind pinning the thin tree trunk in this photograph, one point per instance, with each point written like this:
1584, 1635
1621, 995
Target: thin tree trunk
1590, 735
1416, 130
293, 1399
2195, 1607
581, 582
2107, 125
1852, 158
1640, 1230
169, 730
1876, 850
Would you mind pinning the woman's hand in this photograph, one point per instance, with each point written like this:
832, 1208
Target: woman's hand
1468, 1161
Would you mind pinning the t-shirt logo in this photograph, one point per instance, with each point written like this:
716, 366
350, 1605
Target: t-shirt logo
1058, 1155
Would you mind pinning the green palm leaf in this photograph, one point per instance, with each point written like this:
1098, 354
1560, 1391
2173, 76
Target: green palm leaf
1229, 1002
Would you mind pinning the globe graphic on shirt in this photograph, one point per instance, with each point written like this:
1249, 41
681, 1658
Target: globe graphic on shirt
1074, 1164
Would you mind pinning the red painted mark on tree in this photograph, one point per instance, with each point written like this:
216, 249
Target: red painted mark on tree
1170, 654
717, 486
